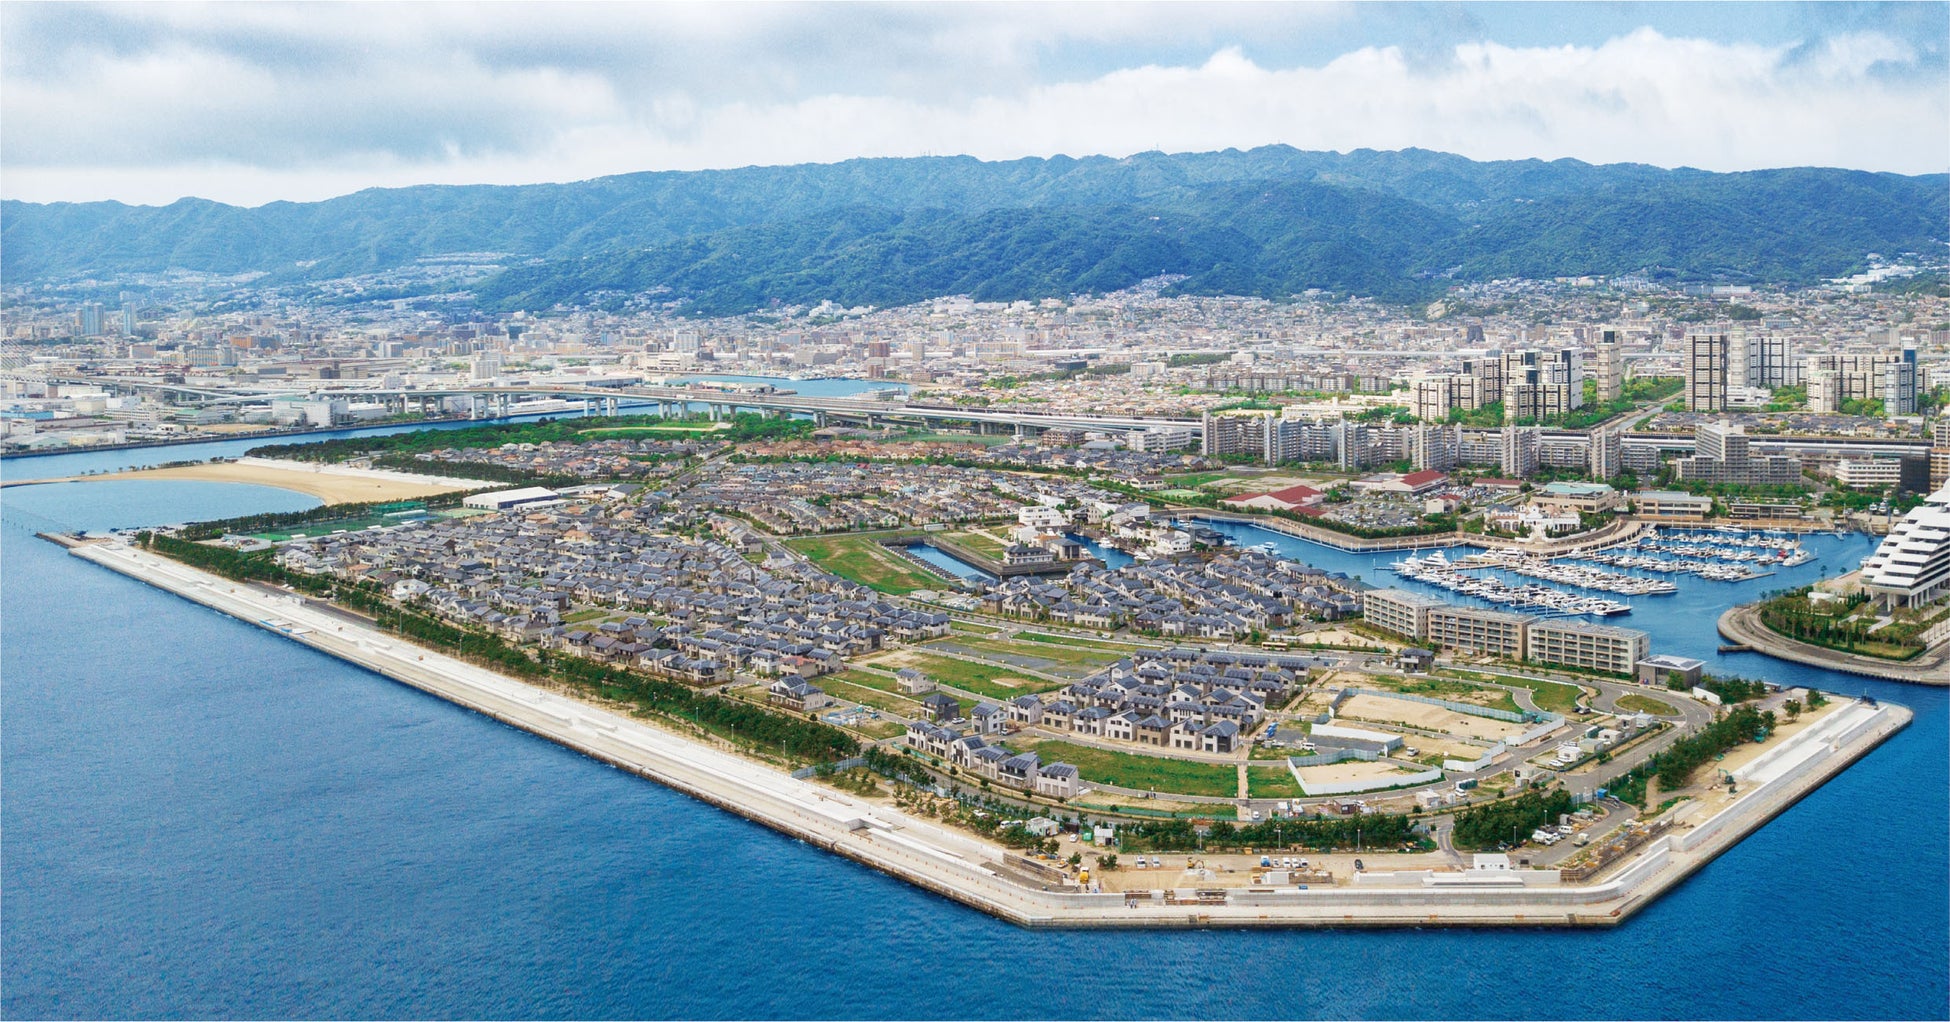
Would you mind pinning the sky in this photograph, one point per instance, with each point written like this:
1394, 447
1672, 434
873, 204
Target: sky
252, 103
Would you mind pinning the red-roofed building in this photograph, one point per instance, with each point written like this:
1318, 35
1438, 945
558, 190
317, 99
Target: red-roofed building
1425, 481
1293, 498
1413, 484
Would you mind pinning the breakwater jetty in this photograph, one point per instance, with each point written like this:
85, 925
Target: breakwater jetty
969, 870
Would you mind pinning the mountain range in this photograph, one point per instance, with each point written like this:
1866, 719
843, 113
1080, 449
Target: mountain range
1398, 226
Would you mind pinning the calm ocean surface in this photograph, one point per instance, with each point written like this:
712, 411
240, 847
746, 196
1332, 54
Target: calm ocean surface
203, 819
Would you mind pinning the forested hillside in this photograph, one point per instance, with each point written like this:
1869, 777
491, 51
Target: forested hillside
1399, 226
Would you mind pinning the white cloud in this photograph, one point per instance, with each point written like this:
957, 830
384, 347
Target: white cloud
257, 102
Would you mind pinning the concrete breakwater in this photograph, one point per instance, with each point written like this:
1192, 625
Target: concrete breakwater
1742, 627
964, 868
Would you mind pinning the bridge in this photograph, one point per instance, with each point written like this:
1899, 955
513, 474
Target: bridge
499, 401
867, 410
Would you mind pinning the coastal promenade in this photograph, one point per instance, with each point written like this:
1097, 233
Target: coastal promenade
964, 868
1742, 625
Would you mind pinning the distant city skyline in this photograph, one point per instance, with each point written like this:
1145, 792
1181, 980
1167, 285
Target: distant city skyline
255, 103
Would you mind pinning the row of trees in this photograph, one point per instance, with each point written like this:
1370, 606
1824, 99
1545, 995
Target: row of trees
1835, 625
1485, 826
1322, 833
483, 470
1730, 690
743, 426
1674, 765
279, 520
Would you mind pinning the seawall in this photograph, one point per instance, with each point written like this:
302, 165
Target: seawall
959, 866
1742, 625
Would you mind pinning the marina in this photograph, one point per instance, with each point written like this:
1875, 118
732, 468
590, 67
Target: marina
1565, 573
1437, 570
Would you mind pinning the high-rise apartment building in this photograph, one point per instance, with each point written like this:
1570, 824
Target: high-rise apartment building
1899, 390
1707, 366
1721, 455
1824, 390
1610, 367
1435, 447
1768, 361
1520, 451
1432, 398
1607, 454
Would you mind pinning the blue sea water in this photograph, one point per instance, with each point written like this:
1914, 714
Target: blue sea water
204, 819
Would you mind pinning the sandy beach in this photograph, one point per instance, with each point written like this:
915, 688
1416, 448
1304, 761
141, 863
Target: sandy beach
329, 483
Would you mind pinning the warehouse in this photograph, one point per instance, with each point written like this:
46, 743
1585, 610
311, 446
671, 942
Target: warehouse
502, 500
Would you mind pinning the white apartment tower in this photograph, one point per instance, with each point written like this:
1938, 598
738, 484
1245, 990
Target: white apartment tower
1611, 367
1707, 368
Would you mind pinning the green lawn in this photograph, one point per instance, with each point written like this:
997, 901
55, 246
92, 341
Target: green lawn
861, 560
1050, 652
1145, 773
878, 729
980, 679
971, 628
1119, 648
579, 616
1263, 782
865, 678
327, 528
1552, 696
1636, 703
953, 438
868, 697
980, 542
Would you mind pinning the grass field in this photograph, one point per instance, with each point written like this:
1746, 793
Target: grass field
1197, 479
952, 438
1121, 649
980, 542
1636, 703
327, 528
875, 698
1269, 783
1552, 696
867, 679
1050, 652
1443, 688
970, 628
1145, 773
861, 560
980, 679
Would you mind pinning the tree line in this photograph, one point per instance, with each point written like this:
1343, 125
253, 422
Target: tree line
1319, 832
279, 520
1486, 826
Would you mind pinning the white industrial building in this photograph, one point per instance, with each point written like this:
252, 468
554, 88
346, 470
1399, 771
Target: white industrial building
1912, 566
502, 500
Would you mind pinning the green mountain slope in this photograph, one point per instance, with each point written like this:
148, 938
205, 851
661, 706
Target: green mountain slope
1268, 221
